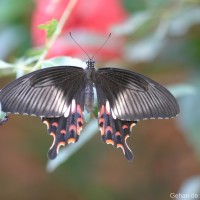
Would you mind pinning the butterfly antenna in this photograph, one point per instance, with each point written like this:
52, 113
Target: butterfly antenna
101, 46
78, 44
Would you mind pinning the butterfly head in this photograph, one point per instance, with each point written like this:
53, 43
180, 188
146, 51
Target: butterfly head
90, 63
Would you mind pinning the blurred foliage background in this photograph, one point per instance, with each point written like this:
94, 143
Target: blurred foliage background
158, 38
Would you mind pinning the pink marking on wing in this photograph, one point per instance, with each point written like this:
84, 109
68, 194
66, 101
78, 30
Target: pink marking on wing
124, 126
63, 131
72, 127
79, 109
118, 133
101, 120
102, 110
80, 120
109, 128
55, 124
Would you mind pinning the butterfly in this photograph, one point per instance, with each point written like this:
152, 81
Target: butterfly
59, 95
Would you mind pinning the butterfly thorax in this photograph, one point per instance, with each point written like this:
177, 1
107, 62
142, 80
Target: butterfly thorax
90, 78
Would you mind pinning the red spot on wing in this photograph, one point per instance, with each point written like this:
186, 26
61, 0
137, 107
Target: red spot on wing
63, 131
101, 122
80, 121
125, 126
102, 110
79, 109
55, 124
118, 133
109, 128
72, 127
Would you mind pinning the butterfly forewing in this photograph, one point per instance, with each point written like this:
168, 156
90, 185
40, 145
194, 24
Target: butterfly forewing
134, 97
46, 92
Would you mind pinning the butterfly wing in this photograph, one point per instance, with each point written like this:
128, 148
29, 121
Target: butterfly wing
46, 92
67, 128
113, 131
56, 94
134, 97
125, 97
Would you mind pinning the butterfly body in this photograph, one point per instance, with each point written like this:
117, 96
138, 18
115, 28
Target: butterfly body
89, 92
60, 94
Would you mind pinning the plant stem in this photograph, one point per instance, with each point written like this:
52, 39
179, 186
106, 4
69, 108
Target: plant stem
57, 32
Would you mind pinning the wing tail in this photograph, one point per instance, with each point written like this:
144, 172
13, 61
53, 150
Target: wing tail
65, 129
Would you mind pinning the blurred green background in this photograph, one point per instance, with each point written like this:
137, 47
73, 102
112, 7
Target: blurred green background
162, 42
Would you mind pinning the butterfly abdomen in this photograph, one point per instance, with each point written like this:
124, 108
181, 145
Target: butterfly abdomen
89, 93
89, 97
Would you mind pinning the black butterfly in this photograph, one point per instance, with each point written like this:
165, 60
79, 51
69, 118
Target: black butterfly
60, 94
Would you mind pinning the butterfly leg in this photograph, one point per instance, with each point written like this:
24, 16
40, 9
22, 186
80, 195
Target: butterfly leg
65, 129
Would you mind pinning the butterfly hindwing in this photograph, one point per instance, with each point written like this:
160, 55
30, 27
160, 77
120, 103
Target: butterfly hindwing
134, 97
67, 128
113, 131
46, 92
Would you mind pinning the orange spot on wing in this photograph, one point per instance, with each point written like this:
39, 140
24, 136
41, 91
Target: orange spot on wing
102, 131
71, 140
109, 141
79, 130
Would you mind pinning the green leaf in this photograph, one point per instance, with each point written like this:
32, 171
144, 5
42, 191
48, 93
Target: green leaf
2, 114
49, 27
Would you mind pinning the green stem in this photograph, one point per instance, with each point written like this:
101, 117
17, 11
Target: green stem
57, 32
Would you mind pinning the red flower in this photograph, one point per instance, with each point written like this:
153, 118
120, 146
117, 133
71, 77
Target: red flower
89, 22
